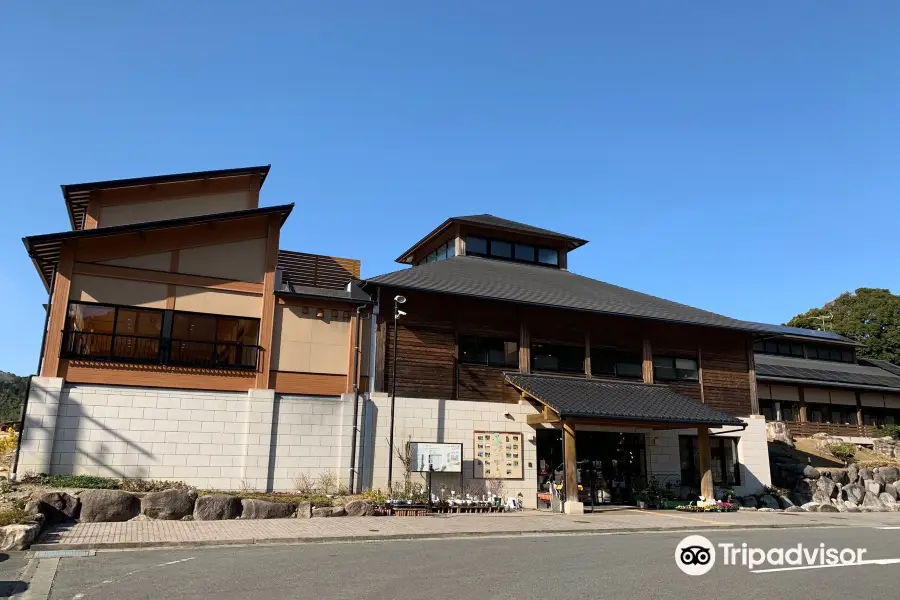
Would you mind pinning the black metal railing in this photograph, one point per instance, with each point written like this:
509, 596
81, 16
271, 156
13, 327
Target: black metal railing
156, 350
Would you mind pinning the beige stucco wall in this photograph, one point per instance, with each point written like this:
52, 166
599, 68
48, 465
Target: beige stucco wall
90, 288
308, 344
217, 302
156, 262
243, 261
175, 208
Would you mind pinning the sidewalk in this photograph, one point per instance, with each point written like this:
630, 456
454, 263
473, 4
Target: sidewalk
148, 534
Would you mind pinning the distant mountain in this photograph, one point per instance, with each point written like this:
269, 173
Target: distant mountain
12, 393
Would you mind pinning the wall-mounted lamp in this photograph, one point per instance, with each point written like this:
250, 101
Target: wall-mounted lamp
509, 416
320, 314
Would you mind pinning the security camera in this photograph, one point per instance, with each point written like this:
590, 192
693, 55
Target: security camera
400, 313
400, 299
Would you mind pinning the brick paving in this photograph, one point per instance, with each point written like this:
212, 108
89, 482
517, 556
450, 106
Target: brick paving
134, 534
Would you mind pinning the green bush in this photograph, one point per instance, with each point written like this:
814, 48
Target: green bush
151, 485
15, 516
317, 500
891, 430
75, 481
843, 451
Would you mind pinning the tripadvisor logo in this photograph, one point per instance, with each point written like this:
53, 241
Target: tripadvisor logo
696, 555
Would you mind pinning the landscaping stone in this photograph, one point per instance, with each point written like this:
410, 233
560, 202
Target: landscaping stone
811, 507
793, 508
262, 509
169, 505
304, 510
871, 503
217, 507
853, 473
839, 476
768, 501
887, 499
747, 508
98, 506
874, 487
865, 474
18, 537
853, 492
825, 490
360, 508
893, 489
828, 508
60, 506
767, 509
329, 511
778, 431
850, 506
890, 474
784, 501
805, 486
800, 499
810, 472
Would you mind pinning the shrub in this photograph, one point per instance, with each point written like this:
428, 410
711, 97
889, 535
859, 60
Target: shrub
8, 442
843, 451
75, 481
15, 516
892, 431
317, 500
376, 496
151, 485
327, 482
6, 486
304, 484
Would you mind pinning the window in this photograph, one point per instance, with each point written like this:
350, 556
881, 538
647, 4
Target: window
524, 252
828, 353
667, 368
724, 464
106, 332
501, 249
778, 347
606, 362
442, 252
767, 408
557, 357
479, 246
476, 245
131, 334
493, 352
548, 256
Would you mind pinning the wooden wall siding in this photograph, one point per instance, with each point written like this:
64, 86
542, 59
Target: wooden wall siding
315, 270
177, 189
477, 382
725, 381
172, 279
313, 384
59, 302
267, 322
691, 390
75, 371
426, 360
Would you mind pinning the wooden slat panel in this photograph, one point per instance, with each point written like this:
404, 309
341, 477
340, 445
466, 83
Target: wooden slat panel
426, 359
689, 389
267, 320
477, 382
59, 304
75, 371
315, 270
197, 281
314, 384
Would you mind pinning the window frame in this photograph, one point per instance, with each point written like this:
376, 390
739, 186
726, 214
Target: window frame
534, 354
512, 258
674, 367
111, 357
487, 351
717, 449
619, 357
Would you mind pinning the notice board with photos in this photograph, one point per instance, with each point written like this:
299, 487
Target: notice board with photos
442, 458
499, 455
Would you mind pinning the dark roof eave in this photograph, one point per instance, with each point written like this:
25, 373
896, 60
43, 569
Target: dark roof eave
324, 296
829, 384
687, 423
825, 341
262, 170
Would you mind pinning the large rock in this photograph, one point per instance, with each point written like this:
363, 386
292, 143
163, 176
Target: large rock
871, 503
217, 507
806, 486
800, 499
850, 506
887, 499
359, 508
890, 474
853, 492
865, 474
58, 507
329, 511
169, 505
794, 509
828, 508
784, 501
262, 509
853, 473
874, 487
839, 476
18, 537
778, 431
99, 506
304, 510
825, 490
893, 489
887, 446
768, 501
811, 507
810, 472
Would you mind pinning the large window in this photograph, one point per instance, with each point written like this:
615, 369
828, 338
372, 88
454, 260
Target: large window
494, 352
670, 368
724, 453
130, 334
557, 357
829, 353
444, 251
817, 351
480, 246
606, 362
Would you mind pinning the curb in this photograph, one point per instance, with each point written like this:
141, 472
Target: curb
406, 536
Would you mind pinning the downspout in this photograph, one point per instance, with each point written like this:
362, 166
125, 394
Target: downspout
15, 462
355, 398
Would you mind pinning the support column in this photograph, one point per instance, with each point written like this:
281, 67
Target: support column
859, 415
802, 415
572, 505
751, 363
648, 362
267, 322
706, 478
587, 353
261, 414
36, 453
524, 349
59, 304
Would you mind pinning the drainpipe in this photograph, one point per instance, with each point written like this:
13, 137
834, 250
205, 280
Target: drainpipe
355, 398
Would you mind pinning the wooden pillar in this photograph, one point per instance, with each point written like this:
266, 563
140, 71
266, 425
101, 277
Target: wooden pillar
58, 308
751, 363
802, 415
351, 354
524, 348
647, 362
587, 353
706, 478
700, 373
570, 462
859, 415
174, 258
92, 214
267, 321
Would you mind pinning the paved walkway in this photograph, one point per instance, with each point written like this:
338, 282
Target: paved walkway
143, 534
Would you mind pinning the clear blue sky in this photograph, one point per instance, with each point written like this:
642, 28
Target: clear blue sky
742, 159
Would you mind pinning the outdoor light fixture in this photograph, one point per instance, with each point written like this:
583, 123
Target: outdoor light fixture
398, 300
320, 313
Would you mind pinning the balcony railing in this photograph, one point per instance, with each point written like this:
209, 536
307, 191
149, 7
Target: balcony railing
155, 350
808, 429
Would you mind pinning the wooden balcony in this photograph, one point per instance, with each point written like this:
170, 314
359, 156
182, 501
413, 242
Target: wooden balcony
809, 429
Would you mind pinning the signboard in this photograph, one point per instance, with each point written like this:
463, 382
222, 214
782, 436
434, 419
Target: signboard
443, 458
499, 455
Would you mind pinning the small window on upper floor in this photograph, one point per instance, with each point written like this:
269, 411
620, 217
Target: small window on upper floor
524, 252
669, 368
476, 245
548, 256
501, 249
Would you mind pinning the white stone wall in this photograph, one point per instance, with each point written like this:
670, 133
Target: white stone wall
446, 421
213, 440
663, 460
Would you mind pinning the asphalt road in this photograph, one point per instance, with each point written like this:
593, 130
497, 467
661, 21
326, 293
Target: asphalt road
521, 568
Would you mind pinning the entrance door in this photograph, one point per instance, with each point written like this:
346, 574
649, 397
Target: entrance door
609, 463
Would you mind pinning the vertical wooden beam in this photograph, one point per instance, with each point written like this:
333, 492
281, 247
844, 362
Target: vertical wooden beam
802, 416
351, 354
859, 415
524, 348
459, 241
647, 365
173, 268
570, 462
751, 363
700, 373
92, 214
587, 353
267, 321
59, 304
706, 478
563, 258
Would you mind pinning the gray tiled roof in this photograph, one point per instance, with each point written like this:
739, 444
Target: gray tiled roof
784, 368
810, 333
881, 364
624, 401
546, 286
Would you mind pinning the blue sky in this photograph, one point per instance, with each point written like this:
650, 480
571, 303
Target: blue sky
742, 159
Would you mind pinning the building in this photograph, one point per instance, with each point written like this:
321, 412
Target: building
815, 383
499, 340
182, 343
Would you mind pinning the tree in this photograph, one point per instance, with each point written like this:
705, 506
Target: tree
12, 393
869, 316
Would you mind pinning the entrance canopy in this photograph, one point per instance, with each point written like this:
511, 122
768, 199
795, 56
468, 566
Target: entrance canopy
616, 402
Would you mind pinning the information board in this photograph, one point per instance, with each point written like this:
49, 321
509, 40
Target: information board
443, 458
499, 455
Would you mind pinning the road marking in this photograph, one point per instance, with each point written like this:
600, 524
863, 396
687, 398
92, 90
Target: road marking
720, 523
175, 562
81, 595
862, 563
887, 528
41, 580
